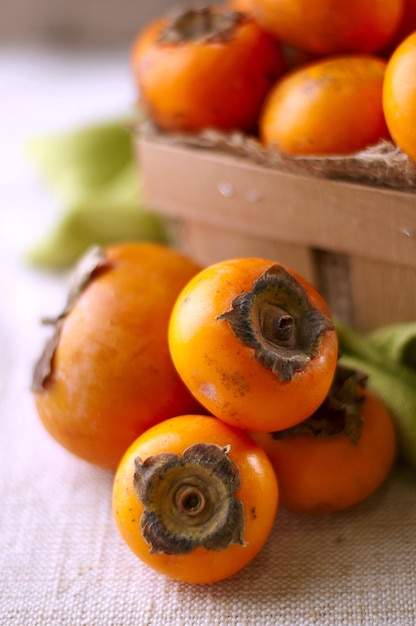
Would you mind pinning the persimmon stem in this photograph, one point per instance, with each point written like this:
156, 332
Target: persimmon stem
340, 412
200, 24
190, 500
283, 325
277, 320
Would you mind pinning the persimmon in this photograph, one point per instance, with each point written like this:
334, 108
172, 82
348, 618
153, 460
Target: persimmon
399, 96
244, 6
106, 375
331, 27
207, 67
195, 499
254, 342
339, 456
330, 106
293, 56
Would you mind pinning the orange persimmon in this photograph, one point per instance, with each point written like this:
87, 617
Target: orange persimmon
254, 342
208, 67
195, 499
330, 106
107, 375
331, 26
244, 6
339, 456
399, 95
293, 56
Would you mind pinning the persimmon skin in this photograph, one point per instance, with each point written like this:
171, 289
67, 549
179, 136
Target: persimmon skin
328, 474
399, 96
258, 493
329, 106
293, 56
223, 373
241, 5
327, 27
198, 84
112, 374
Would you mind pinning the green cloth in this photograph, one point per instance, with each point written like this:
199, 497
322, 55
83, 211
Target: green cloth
388, 357
94, 175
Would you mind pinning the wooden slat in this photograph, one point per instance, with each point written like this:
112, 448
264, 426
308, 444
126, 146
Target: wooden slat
208, 244
356, 243
383, 293
230, 192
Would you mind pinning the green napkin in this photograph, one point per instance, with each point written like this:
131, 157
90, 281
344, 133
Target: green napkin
388, 357
96, 179
397, 342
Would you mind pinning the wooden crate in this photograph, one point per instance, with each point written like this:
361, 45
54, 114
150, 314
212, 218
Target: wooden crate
356, 243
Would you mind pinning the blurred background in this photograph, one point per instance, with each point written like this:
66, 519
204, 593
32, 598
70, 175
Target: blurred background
62, 65
75, 23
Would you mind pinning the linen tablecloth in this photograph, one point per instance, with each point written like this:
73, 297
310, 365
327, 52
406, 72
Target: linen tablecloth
62, 560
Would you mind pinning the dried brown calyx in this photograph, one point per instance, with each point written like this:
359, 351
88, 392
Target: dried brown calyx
202, 24
340, 412
277, 320
189, 500
90, 264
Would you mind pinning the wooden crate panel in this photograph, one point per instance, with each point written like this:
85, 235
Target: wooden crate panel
356, 243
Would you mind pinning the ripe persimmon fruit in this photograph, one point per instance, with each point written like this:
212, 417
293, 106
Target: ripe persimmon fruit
399, 96
340, 455
330, 106
331, 26
107, 375
195, 499
244, 6
293, 56
254, 342
208, 67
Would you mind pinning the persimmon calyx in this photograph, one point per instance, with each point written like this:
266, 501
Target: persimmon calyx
340, 412
277, 320
189, 500
202, 24
93, 261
